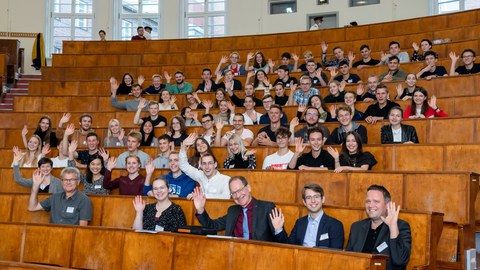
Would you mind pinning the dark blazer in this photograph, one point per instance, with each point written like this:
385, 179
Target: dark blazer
398, 250
328, 225
262, 228
408, 134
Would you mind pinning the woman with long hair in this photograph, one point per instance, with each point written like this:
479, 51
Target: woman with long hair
395, 131
131, 184
115, 135
190, 117
148, 134
259, 63
407, 92
177, 130
422, 108
238, 156
44, 131
167, 101
34, 152
352, 157
201, 147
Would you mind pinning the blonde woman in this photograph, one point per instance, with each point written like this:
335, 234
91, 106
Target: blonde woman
238, 156
115, 135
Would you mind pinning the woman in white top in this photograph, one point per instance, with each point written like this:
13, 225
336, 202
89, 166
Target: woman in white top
252, 117
34, 152
167, 101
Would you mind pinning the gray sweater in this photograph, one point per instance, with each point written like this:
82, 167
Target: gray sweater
129, 105
55, 183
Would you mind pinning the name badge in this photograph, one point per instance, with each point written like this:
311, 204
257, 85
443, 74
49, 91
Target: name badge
382, 247
324, 236
118, 144
70, 209
98, 186
159, 228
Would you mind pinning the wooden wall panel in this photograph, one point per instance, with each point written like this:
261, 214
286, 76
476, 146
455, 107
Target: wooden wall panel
48, 245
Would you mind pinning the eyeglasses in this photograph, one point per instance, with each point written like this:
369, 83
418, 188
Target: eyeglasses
237, 192
311, 114
206, 121
267, 101
316, 197
69, 180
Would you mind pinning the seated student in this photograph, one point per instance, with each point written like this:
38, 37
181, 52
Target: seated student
212, 182
266, 135
134, 139
194, 101
369, 95
260, 81
234, 66
80, 135
148, 134
280, 159
238, 121
181, 86
280, 97
201, 148
50, 183
382, 232
190, 117
132, 184
267, 101
337, 92
61, 161
425, 45
393, 73
92, 180
338, 53
302, 95
154, 117
352, 157
311, 118
129, 105
44, 131
407, 92
431, 70
167, 101
249, 91
395, 131
250, 115
422, 108
317, 229
284, 76
208, 127
34, 152
225, 108
207, 84
308, 55
319, 78
125, 87
379, 110
350, 99
285, 58
163, 215
317, 102
177, 130
366, 58
165, 145
317, 158
259, 62
395, 51
344, 116
115, 135
345, 75
156, 85
140, 34
238, 156
468, 58
70, 206
92, 147
229, 81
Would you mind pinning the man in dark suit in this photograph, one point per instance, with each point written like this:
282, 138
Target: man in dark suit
247, 219
382, 232
317, 229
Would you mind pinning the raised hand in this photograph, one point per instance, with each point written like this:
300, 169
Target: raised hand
46, 149
453, 56
294, 122
190, 140
172, 100
251, 73
250, 55
121, 135
383, 57
433, 102
333, 152
295, 57
112, 162
138, 203
271, 64
140, 79
219, 123
392, 214
224, 59
199, 199
37, 178
250, 153
324, 46
72, 147
333, 72
351, 56
103, 153
65, 118
231, 107
195, 115
299, 146
277, 218
24, 131
342, 86
207, 103
69, 130
293, 86
17, 155
333, 111
149, 167
167, 76
318, 73
415, 46
142, 104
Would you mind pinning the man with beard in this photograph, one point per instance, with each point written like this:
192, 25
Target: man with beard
316, 229
238, 121
80, 135
182, 87
316, 159
239, 220
382, 232
311, 118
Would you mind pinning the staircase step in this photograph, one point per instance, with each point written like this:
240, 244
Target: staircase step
6, 107
31, 76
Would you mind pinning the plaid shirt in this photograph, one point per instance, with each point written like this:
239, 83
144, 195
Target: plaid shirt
300, 98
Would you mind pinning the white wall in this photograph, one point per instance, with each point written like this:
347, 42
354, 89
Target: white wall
244, 17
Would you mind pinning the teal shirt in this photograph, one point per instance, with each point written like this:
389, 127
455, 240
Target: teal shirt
173, 89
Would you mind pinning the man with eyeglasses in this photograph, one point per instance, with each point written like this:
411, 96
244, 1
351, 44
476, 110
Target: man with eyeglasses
468, 58
317, 229
71, 207
248, 219
267, 102
280, 159
234, 66
249, 91
207, 124
302, 95
212, 182
311, 118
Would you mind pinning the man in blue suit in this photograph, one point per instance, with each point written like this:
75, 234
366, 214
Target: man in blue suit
317, 229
